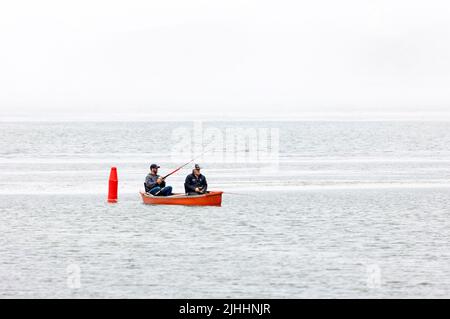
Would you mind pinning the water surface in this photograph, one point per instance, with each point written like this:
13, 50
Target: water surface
352, 209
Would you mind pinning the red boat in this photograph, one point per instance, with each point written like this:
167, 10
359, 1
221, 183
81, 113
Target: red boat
209, 199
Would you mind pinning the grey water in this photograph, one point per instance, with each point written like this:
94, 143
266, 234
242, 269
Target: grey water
350, 209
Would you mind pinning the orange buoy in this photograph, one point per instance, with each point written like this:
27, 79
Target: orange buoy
113, 183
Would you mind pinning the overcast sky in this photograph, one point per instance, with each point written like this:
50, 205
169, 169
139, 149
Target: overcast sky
250, 56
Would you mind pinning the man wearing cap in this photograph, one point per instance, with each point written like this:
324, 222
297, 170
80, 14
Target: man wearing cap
195, 183
155, 184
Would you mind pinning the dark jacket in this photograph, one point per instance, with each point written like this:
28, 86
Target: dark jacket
150, 182
192, 182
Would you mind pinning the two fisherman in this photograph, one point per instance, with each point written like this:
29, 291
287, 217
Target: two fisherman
194, 184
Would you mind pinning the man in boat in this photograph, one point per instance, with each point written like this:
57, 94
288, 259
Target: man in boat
155, 184
195, 183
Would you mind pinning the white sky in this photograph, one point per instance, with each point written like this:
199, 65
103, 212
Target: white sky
255, 57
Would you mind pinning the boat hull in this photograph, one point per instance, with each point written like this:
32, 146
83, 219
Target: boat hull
209, 199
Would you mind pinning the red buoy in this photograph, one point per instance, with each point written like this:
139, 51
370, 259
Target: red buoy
113, 183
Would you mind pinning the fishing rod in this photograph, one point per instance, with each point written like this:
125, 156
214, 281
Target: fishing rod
176, 170
239, 194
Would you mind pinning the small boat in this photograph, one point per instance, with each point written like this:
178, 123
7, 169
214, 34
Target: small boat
208, 199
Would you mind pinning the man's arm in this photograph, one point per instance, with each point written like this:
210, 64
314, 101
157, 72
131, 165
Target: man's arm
188, 186
150, 181
205, 184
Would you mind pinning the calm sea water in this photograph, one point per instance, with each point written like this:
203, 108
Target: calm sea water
351, 209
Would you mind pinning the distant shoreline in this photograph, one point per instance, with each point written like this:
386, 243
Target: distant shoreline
189, 117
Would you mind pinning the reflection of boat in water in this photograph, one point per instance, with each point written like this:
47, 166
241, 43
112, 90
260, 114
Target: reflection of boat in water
209, 199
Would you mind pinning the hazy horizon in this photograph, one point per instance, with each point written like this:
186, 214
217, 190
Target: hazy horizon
218, 116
